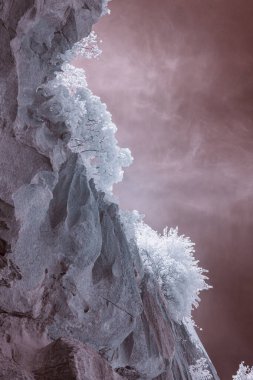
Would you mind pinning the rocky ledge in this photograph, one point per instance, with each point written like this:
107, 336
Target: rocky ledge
75, 300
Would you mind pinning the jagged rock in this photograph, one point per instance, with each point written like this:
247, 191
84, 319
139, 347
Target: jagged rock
14, 169
68, 359
128, 372
67, 270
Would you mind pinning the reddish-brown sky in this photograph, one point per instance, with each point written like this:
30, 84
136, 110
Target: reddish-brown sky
177, 78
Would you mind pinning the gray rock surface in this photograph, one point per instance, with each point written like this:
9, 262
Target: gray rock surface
75, 302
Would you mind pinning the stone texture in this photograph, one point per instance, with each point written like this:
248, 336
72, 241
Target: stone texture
68, 359
75, 301
9, 370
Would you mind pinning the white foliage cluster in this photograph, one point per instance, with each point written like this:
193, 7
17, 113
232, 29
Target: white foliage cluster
87, 48
200, 371
244, 373
170, 258
88, 121
106, 10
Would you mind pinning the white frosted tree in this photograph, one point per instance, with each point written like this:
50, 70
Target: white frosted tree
244, 373
169, 257
88, 122
106, 10
200, 371
87, 48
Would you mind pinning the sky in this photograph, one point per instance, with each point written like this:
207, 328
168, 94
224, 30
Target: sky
177, 77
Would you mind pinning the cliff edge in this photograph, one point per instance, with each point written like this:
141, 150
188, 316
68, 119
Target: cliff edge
75, 299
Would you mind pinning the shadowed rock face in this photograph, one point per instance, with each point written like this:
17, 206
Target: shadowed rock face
69, 359
75, 302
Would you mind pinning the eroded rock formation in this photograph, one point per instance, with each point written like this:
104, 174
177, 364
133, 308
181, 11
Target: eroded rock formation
75, 301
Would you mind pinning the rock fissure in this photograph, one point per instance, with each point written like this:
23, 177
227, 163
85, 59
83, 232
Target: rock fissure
120, 308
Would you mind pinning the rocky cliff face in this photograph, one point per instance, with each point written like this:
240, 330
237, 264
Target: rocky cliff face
75, 300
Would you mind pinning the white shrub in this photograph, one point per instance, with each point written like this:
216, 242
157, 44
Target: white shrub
92, 132
170, 258
244, 373
200, 371
87, 48
106, 10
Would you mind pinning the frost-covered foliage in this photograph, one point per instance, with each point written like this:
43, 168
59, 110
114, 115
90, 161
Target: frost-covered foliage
106, 10
170, 258
200, 371
244, 373
88, 122
192, 327
87, 48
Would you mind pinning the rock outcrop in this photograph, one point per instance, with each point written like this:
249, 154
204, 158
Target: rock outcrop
75, 301
68, 359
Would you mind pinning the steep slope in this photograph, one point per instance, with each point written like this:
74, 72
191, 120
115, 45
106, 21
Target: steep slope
75, 299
